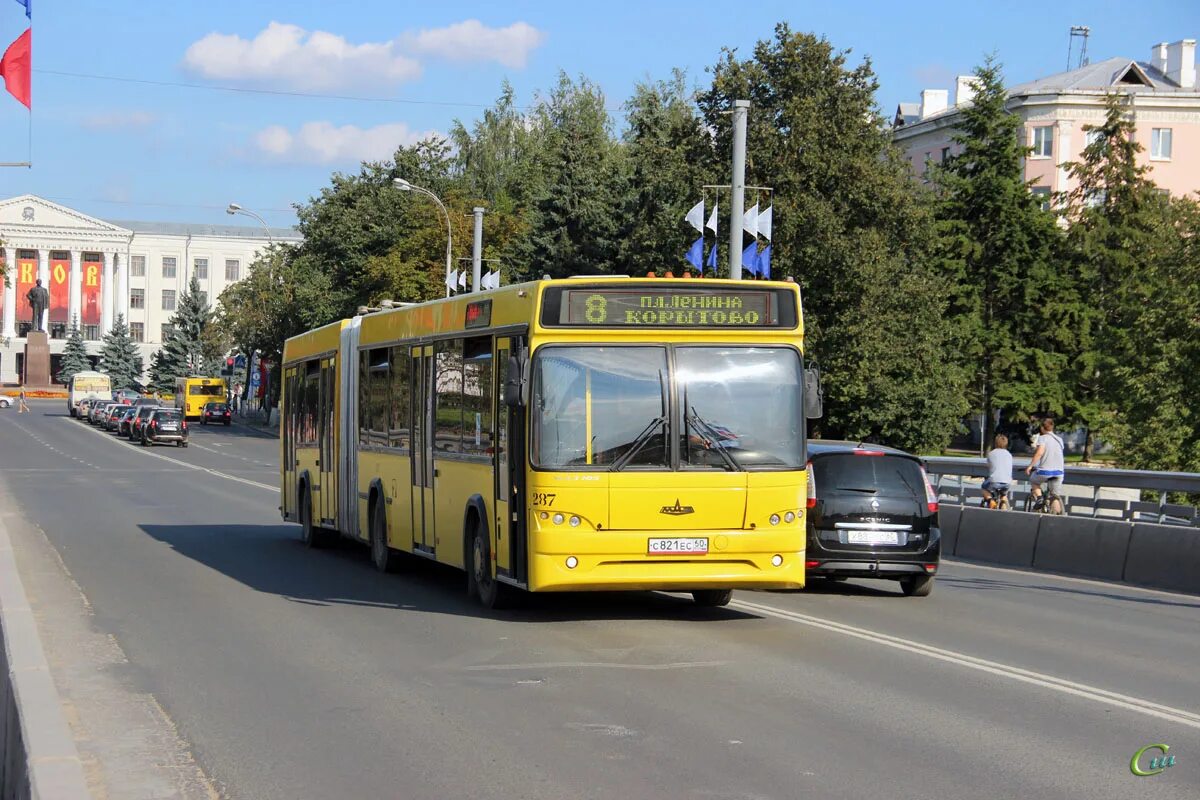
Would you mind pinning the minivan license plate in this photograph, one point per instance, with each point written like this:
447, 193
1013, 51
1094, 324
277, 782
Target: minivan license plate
872, 537
677, 547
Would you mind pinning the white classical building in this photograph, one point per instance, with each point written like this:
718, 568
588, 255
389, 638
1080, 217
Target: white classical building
97, 269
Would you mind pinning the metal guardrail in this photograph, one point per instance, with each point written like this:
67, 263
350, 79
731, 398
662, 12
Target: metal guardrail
1096, 477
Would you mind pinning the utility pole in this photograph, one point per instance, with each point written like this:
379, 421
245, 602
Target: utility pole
477, 250
737, 199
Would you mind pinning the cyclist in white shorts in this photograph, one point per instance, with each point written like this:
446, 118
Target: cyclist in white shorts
1046, 466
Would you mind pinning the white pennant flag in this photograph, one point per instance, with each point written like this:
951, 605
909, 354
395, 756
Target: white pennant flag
451, 280
712, 220
695, 217
764, 223
490, 281
462, 279
750, 221
496, 279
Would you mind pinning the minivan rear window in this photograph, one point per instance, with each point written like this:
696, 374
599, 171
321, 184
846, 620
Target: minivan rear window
846, 472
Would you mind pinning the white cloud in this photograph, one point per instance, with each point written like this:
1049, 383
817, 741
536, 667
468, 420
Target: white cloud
119, 120
291, 56
325, 143
288, 55
471, 40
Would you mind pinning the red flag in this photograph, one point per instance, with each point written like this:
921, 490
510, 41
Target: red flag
15, 67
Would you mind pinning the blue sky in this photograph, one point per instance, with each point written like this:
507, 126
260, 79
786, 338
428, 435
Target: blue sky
122, 150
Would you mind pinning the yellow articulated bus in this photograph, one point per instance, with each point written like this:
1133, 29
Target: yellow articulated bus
561, 435
194, 393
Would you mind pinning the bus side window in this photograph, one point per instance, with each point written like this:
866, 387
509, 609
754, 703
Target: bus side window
398, 433
448, 383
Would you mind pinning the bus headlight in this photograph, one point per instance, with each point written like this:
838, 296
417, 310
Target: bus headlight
774, 519
558, 519
788, 517
777, 560
574, 521
572, 562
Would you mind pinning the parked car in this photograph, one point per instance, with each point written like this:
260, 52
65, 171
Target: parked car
135, 425
872, 513
165, 426
99, 411
5, 401
216, 413
114, 417
83, 408
126, 417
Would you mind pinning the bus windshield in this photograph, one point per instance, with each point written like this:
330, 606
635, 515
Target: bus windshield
739, 408
211, 390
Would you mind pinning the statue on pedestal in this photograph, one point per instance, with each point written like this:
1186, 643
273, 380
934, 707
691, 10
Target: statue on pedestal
38, 298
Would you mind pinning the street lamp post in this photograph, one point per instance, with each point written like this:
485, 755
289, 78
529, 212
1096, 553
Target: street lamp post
234, 208
405, 186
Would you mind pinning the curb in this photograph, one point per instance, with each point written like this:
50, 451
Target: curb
38, 758
266, 433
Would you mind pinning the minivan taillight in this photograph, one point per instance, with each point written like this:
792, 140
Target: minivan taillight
931, 498
812, 486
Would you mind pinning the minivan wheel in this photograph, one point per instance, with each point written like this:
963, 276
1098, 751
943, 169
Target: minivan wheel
917, 585
712, 598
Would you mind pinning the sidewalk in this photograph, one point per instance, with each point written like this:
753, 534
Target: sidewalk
256, 421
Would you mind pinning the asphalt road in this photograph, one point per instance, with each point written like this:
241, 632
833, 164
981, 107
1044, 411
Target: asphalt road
299, 674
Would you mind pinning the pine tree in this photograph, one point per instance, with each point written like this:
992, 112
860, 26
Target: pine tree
187, 350
74, 357
160, 380
119, 357
1013, 302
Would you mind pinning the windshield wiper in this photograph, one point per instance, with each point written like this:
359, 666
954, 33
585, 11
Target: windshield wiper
699, 422
638, 443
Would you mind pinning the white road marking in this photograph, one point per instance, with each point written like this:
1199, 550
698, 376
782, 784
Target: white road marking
1071, 579
1095, 694
594, 665
196, 467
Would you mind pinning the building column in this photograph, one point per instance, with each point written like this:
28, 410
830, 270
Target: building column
107, 295
44, 277
75, 305
10, 293
123, 286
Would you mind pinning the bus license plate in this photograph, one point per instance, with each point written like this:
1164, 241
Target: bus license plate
872, 537
677, 547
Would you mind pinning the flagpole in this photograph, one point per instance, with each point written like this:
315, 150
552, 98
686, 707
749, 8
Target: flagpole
737, 181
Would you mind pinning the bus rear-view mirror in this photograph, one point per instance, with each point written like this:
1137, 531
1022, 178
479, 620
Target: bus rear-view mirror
814, 401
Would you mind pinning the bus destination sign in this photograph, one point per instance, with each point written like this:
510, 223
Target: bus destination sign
672, 307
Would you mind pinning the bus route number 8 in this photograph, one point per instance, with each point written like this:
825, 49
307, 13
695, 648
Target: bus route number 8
595, 309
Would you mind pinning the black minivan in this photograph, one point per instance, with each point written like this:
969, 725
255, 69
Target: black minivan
872, 513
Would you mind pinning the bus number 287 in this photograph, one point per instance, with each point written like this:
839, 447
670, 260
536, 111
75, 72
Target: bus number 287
543, 498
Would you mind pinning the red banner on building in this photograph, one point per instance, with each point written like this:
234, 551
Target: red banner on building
26, 280
91, 294
60, 289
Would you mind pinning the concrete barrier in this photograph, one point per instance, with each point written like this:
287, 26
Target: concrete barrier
1091, 548
948, 519
38, 758
999, 537
1164, 556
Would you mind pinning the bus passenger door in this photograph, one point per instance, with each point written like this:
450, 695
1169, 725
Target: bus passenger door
286, 423
423, 395
328, 430
511, 547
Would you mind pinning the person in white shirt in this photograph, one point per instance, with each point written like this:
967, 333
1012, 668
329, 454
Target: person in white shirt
1000, 467
1046, 466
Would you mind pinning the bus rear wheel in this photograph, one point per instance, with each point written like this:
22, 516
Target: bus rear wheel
383, 557
712, 598
312, 535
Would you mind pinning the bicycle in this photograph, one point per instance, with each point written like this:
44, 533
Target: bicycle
998, 500
1046, 503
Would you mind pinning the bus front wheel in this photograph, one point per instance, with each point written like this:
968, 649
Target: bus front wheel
491, 593
712, 598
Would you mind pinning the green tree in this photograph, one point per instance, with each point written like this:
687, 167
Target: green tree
189, 348
849, 224
576, 219
161, 379
669, 160
119, 357
75, 356
1016, 308
1117, 222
